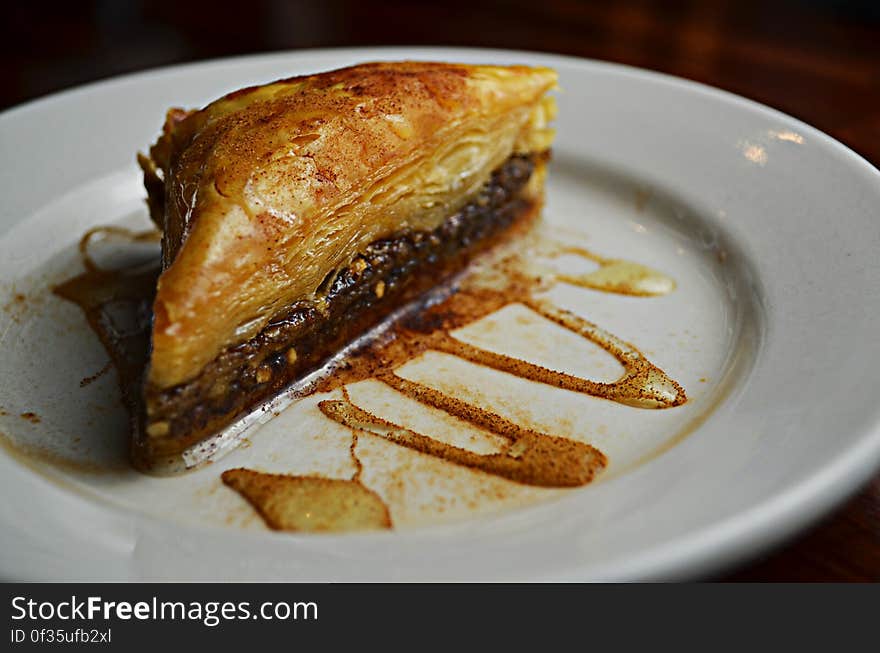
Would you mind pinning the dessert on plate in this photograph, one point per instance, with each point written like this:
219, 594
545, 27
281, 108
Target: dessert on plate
298, 215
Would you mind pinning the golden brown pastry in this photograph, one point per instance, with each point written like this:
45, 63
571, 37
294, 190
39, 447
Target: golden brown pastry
298, 214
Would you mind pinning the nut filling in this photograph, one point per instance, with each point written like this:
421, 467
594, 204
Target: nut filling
389, 273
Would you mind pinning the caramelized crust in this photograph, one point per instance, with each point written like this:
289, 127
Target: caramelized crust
268, 190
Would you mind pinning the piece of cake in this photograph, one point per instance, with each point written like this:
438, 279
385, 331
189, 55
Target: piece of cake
299, 214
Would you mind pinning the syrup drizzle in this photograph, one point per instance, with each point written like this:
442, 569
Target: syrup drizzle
613, 275
530, 457
98, 234
309, 503
117, 303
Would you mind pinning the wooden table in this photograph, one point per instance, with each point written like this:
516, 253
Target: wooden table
818, 60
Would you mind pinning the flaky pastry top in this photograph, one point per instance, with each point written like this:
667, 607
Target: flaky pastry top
264, 192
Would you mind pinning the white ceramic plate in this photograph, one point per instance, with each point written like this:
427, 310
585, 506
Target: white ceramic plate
769, 227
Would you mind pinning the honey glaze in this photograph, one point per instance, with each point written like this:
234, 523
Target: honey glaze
309, 503
613, 275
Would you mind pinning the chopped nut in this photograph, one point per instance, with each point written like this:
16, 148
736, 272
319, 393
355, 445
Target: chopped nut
218, 389
264, 373
380, 289
358, 265
158, 429
291, 356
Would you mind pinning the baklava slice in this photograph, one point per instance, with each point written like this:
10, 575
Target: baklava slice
298, 215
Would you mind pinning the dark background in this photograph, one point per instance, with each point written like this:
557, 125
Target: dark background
818, 60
